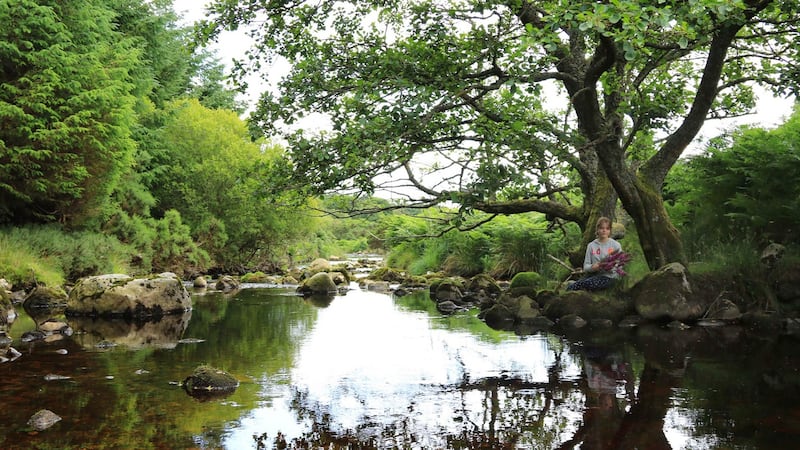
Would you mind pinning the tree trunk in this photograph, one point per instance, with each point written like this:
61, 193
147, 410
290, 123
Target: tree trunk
660, 240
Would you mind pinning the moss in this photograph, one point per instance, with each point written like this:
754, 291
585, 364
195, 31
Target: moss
209, 379
527, 279
254, 277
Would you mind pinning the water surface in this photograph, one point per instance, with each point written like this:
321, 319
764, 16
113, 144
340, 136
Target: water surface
367, 370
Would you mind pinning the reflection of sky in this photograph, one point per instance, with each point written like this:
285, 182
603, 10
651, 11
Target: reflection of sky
367, 361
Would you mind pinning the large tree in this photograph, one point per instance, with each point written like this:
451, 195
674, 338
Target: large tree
66, 109
561, 107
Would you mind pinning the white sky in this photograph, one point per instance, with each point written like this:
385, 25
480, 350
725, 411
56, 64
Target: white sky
771, 111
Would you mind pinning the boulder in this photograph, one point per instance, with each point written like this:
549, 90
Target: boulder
45, 297
319, 265
119, 295
771, 254
319, 283
723, 310
485, 283
208, 381
590, 306
666, 295
448, 291
200, 282
527, 279
7, 312
498, 316
227, 283
43, 419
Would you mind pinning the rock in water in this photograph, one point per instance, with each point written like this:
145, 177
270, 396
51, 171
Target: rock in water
207, 381
43, 419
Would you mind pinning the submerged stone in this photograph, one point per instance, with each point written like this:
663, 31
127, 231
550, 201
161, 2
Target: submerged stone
208, 381
43, 419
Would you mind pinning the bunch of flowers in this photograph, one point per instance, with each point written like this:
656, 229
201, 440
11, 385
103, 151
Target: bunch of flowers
615, 262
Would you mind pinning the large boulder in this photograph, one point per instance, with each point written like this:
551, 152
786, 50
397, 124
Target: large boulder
319, 265
485, 283
119, 295
666, 295
589, 306
320, 283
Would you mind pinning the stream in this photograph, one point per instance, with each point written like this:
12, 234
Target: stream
369, 370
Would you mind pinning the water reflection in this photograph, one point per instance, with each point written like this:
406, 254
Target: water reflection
365, 370
100, 334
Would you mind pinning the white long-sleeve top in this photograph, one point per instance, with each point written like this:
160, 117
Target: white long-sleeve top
597, 251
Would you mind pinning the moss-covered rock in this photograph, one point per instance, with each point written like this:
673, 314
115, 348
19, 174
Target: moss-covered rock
320, 283
207, 380
589, 306
485, 283
227, 283
527, 279
121, 295
667, 295
254, 277
7, 312
386, 274
45, 297
319, 265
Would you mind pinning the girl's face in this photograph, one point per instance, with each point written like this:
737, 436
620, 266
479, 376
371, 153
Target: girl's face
603, 231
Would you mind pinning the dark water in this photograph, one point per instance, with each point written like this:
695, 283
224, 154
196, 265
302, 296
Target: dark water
366, 370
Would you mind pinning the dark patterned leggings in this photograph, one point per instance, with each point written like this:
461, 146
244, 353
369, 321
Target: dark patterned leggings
593, 283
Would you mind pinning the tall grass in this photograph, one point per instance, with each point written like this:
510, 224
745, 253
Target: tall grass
732, 257
49, 255
22, 266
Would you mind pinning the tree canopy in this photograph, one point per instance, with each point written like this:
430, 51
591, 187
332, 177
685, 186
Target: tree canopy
511, 106
66, 106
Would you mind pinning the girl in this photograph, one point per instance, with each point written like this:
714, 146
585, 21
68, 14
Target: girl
596, 251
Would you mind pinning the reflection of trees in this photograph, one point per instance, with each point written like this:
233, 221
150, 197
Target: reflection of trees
608, 406
488, 413
597, 410
643, 426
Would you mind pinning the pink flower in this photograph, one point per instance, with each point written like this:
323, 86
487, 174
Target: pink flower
615, 262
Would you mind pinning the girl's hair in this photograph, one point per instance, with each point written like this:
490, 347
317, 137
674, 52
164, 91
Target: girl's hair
603, 221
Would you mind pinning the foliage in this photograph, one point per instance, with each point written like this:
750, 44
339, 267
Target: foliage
522, 242
23, 266
66, 109
502, 247
173, 247
509, 107
735, 257
740, 190
210, 173
91, 128
49, 255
